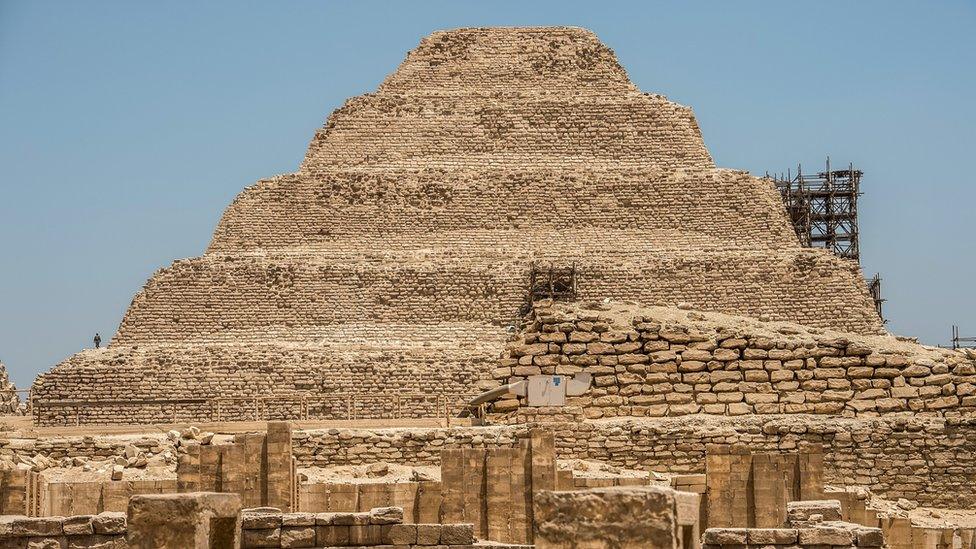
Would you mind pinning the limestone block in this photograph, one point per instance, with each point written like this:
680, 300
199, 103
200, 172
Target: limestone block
801, 511
78, 525
400, 534
826, 535
190, 520
297, 536
37, 526
109, 523
457, 534
606, 517
428, 534
386, 515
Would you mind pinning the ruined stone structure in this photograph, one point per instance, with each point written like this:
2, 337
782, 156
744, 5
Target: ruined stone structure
9, 399
507, 209
393, 260
658, 361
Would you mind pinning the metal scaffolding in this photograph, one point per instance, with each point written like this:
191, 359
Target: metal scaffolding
874, 288
961, 342
551, 282
823, 208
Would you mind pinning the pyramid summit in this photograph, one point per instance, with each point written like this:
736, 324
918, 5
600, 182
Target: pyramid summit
395, 258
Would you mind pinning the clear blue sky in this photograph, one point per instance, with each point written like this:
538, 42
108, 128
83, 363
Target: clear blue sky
127, 127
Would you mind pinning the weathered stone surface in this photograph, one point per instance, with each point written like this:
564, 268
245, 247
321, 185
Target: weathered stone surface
196, 519
802, 511
386, 515
606, 517
774, 369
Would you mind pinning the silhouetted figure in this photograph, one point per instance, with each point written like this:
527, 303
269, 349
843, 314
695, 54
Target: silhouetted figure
98, 340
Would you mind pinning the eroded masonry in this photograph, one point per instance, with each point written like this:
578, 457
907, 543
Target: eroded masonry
627, 346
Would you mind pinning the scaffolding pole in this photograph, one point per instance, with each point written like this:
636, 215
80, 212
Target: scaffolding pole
823, 208
961, 342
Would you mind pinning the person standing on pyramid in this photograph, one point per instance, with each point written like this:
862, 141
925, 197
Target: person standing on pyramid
98, 340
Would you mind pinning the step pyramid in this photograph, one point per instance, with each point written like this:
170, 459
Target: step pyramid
395, 260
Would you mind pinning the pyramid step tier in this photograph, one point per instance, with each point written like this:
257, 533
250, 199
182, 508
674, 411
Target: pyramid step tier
224, 381
721, 205
391, 131
206, 296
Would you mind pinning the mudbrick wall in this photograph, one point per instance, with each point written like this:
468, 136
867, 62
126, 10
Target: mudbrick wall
656, 361
421, 207
923, 459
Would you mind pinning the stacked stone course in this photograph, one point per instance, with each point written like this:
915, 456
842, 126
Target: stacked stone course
923, 459
380, 526
102, 531
667, 362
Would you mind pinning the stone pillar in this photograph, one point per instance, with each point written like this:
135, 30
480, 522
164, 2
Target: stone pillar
188, 469
428, 505
280, 469
452, 506
194, 520
499, 495
811, 470
232, 468
542, 470
254, 473
605, 518
774, 484
474, 490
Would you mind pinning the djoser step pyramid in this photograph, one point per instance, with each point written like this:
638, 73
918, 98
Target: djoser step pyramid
396, 257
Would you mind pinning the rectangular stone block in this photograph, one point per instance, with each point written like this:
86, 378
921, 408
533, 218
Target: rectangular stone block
452, 485
254, 468
474, 489
811, 471
774, 484
404, 495
501, 494
342, 498
332, 535
635, 516
191, 520
428, 534
428, 506
374, 494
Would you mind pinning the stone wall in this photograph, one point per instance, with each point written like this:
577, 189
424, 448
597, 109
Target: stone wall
922, 459
381, 526
658, 361
405, 211
838, 535
105, 530
65, 498
258, 467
